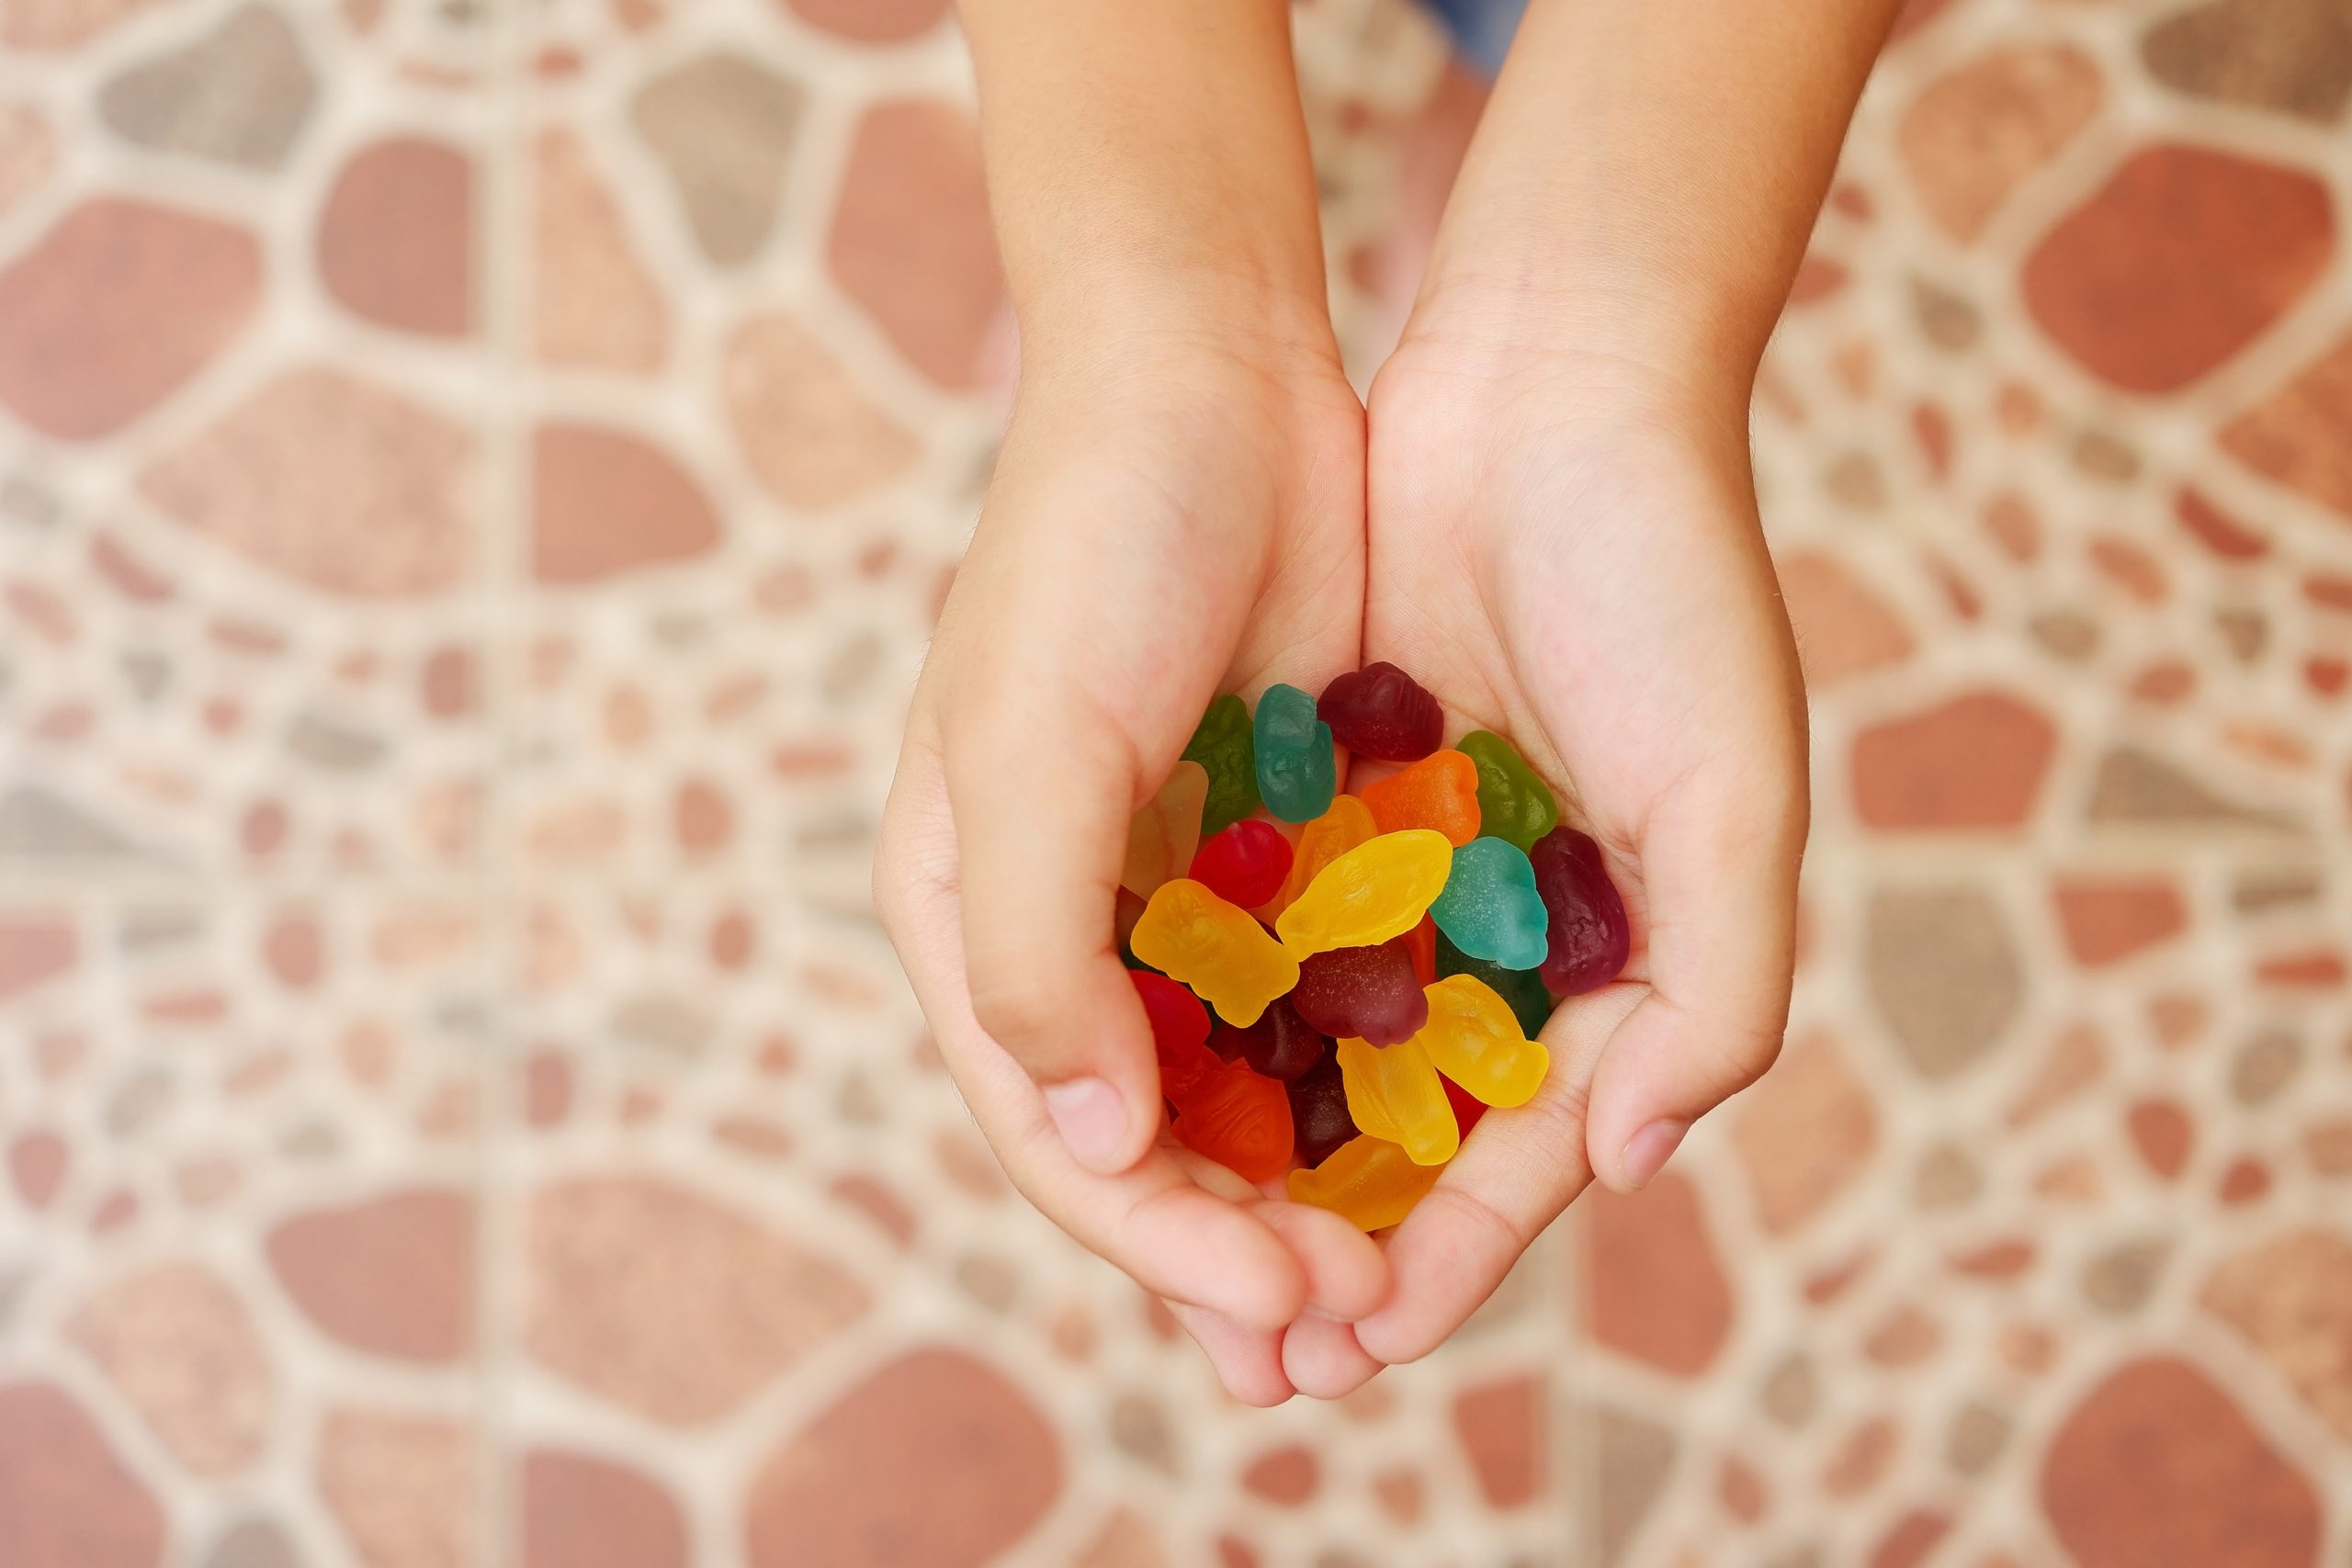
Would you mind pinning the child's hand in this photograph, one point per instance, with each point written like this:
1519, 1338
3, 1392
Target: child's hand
1173, 516
1566, 551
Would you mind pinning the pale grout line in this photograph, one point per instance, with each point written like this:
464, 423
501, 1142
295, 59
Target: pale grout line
502, 258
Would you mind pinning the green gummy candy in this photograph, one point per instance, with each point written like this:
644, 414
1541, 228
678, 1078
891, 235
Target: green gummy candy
1221, 746
1297, 771
1490, 909
1513, 804
1523, 988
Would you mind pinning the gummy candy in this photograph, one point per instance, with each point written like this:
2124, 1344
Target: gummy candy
1347, 823
1378, 890
1380, 711
1440, 791
1490, 909
1221, 746
1513, 804
1393, 1093
1471, 1038
1589, 935
1297, 772
1238, 1119
1281, 1045
1522, 989
1245, 864
1421, 943
1370, 1183
1369, 993
1318, 1111
1192, 935
1180, 1032
1163, 835
1467, 1108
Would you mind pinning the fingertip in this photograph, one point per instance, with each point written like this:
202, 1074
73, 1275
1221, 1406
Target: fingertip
1347, 1274
1200, 1250
1246, 1360
1323, 1359
1097, 1124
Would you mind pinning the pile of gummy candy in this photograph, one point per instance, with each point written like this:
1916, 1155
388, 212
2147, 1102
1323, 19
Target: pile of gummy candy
1425, 926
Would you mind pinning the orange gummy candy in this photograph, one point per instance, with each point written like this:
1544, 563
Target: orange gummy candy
1440, 791
1367, 1181
1240, 1118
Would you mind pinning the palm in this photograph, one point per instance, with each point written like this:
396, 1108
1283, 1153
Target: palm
1594, 588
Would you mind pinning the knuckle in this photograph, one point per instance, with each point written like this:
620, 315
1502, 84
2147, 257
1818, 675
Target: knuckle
1014, 1007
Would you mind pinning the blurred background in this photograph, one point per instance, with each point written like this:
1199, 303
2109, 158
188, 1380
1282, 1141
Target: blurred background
475, 481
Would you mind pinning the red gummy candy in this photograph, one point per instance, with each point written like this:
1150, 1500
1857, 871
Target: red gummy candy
1380, 711
1318, 1111
1588, 933
1362, 993
1245, 864
1467, 1110
1281, 1045
1421, 943
1180, 1032
1240, 1118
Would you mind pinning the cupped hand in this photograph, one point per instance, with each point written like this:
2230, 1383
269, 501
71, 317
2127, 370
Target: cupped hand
1565, 549
1173, 515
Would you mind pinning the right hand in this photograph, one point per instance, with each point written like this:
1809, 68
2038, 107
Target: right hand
1176, 514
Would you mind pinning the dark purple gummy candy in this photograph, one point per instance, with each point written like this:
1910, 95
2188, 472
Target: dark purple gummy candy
1380, 711
1281, 1045
1587, 930
1318, 1111
1362, 993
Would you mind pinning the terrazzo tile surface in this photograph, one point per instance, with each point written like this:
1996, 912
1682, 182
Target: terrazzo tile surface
475, 481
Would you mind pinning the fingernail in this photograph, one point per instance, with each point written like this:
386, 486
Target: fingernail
1647, 1151
1092, 1120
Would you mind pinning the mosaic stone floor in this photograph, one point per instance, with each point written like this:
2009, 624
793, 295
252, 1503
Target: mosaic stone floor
474, 483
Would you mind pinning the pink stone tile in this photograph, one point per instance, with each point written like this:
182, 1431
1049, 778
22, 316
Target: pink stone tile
181, 1346
395, 238
605, 502
1976, 133
2183, 258
390, 1276
65, 1495
115, 308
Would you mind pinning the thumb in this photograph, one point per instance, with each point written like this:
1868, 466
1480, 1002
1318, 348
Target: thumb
1039, 801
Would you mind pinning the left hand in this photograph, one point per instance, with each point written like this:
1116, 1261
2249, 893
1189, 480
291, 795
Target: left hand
1564, 547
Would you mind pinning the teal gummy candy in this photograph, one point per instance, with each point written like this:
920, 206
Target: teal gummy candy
1513, 804
1523, 988
1297, 771
1221, 746
1490, 909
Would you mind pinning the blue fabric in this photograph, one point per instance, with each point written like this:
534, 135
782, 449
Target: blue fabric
1482, 30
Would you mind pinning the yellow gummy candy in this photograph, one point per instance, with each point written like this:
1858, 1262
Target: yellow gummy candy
1393, 1095
1163, 835
1366, 1181
1188, 934
1378, 890
1344, 826
1473, 1037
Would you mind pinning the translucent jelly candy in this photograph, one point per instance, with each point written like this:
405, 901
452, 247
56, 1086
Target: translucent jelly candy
1394, 1093
1369, 993
1297, 772
1180, 1032
1520, 988
1421, 943
1378, 890
1347, 823
1380, 711
1126, 911
1368, 1182
1221, 746
1466, 1109
1163, 835
1189, 934
1490, 909
1245, 864
1589, 935
1318, 1111
1513, 804
1440, 791
1471, 1038
1238, 1119
1281, 1045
